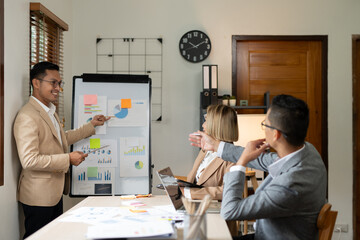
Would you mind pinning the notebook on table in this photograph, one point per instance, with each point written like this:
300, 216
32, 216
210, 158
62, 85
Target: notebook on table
172, 188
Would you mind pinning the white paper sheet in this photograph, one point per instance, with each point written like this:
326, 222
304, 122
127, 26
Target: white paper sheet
133, 159
87, 112
134, 116
106, 157
130, 230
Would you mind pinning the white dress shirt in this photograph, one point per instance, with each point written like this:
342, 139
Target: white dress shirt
275, 167
209, 157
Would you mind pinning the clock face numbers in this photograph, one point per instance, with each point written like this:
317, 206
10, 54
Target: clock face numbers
195, 46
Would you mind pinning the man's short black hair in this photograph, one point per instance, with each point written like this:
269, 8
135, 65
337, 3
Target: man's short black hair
39, 70
291, 116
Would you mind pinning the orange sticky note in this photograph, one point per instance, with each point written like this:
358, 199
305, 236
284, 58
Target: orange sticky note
125, 103
137, 210
90, 99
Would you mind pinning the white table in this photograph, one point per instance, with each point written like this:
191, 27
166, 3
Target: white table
58, 230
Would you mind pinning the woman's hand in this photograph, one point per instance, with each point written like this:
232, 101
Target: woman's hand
204, 141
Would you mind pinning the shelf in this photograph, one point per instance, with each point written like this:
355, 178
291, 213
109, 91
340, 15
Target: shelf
265, 107
249, 107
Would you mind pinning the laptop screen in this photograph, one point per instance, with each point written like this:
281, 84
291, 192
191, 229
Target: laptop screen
171, 186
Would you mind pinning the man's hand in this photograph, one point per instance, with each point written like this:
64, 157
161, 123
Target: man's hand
204, 141
77, 157
252, 150
99, 120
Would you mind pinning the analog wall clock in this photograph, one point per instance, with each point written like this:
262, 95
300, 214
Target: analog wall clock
195, 46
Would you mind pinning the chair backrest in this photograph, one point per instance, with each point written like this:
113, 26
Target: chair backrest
326, 222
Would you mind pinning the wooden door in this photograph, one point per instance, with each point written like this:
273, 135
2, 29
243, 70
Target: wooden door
356, 136
284, 65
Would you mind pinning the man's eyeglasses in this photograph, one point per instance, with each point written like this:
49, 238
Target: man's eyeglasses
54, 83
263, 125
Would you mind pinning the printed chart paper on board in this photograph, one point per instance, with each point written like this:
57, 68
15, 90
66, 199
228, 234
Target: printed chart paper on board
133, 157
106, 157
134, 114
89, 107
97, 173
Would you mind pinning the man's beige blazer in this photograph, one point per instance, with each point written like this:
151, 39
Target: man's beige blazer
44, 160
211, 178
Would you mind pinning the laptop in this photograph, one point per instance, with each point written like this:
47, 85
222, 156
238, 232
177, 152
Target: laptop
173, 191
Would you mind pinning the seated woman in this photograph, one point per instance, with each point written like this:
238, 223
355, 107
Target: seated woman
208, 170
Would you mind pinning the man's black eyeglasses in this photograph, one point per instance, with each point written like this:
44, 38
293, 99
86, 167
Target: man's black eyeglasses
263, 125
54, 83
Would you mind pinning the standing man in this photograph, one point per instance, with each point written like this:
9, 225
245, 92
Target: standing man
287, 203
43, 149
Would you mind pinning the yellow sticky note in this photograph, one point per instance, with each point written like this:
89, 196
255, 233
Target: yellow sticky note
94, 142
92, 172
90, 99
125, 103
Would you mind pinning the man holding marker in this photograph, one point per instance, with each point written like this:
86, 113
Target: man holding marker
42, 147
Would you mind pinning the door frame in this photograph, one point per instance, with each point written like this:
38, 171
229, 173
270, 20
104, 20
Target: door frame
356, 133
324, 69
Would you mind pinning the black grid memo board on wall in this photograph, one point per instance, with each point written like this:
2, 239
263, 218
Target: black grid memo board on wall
134, 56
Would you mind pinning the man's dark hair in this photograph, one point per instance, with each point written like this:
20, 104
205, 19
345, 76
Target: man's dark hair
39, 70
291, 116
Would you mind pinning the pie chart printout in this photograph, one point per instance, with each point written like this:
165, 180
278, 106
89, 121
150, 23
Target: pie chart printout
139, 165
125, 115
120, 112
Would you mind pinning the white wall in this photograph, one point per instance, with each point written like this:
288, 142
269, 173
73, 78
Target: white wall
16, 71
170, 19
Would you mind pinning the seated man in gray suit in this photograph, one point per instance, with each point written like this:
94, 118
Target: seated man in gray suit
287, 203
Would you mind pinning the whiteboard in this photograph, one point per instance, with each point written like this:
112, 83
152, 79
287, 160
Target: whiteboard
124, 165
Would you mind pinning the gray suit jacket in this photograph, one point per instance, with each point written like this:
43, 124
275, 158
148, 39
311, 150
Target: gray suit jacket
285, 207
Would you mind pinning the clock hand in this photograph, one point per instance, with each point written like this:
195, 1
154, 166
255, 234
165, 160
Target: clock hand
189, 48
192, 44
200, 43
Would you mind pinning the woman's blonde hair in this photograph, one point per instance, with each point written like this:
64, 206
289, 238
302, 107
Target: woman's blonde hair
221, 123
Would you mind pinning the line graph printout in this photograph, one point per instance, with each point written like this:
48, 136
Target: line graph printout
89, 106
106, 157
127, 112
133, 157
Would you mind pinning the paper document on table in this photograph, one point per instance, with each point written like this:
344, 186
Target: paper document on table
95, 215
130, 230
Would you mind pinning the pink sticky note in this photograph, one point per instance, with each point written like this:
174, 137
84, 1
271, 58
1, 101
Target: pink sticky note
90, 99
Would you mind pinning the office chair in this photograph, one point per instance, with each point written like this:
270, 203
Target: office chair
326, 222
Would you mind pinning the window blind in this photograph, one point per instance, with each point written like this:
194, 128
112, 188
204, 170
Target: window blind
47, 44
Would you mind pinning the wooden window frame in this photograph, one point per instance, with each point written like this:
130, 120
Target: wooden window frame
46, 44
2, 92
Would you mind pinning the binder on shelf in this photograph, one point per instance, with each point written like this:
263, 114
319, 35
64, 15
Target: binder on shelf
205, 96
214, 84
210, 85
